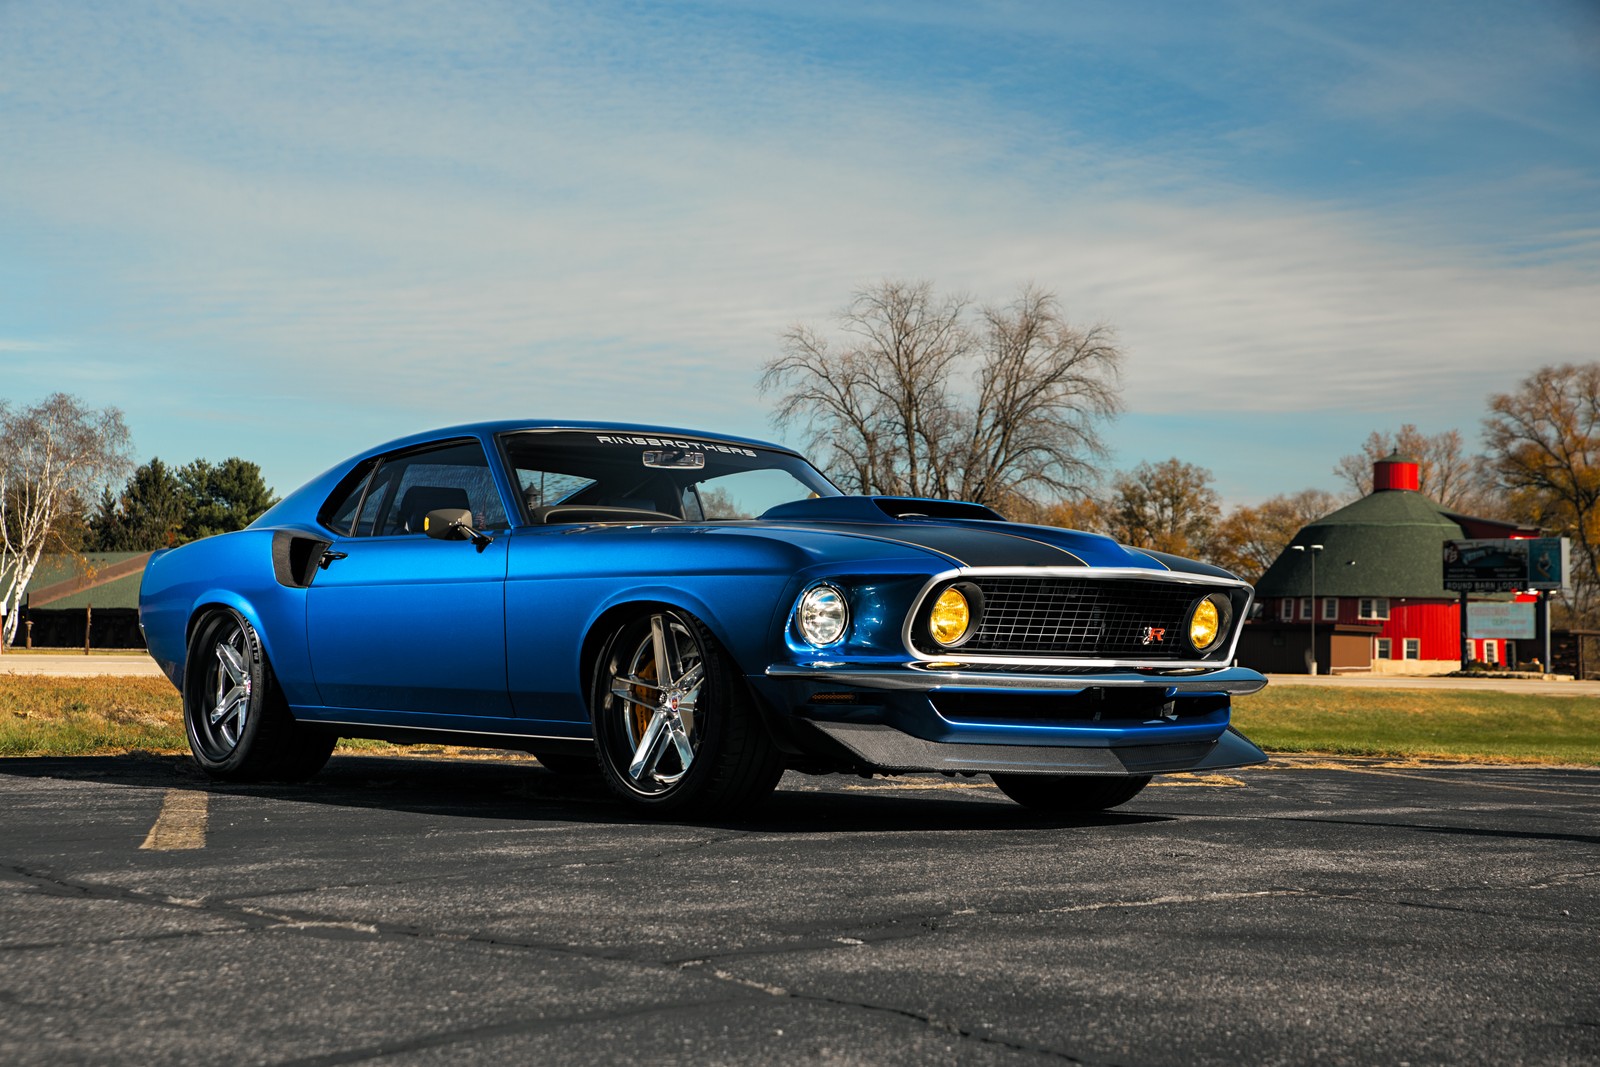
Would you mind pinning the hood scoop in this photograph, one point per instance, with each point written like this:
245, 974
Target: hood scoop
878, 509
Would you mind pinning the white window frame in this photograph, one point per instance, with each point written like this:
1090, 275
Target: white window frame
1383, 648
1330, 609
1305, 609
1373, 607
1413, 648
1286, 610
1491, 653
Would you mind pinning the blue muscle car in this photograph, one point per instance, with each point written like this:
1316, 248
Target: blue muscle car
687, 615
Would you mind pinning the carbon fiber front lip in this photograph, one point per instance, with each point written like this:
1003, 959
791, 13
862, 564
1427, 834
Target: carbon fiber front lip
1237, 681
891, 751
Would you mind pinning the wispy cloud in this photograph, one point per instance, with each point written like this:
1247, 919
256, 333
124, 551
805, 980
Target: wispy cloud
423, 215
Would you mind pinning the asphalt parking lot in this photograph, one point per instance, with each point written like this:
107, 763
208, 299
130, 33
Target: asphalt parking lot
419, 911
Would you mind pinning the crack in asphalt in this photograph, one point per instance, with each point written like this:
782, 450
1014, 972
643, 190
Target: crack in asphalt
250, 919
930, 1021
487, 1032
476, 873
255, 920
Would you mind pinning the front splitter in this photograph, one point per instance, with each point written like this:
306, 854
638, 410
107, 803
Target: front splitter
889, 750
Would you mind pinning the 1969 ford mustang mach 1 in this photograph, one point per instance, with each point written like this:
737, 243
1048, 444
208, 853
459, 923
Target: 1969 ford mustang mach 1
689, 614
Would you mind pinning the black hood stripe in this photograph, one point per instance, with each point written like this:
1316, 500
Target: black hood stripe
968, 547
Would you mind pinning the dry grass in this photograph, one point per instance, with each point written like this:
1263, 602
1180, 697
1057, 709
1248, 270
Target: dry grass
44, 716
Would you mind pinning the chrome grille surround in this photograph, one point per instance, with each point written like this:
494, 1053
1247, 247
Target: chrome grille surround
1081, 616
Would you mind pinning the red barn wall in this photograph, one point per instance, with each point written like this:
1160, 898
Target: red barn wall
1437, 624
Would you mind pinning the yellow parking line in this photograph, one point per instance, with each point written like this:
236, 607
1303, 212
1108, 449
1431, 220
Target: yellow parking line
182, 822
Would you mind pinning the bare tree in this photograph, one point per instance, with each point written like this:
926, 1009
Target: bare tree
877, 405
1445, 471
1043, 390
1544, 445
914, 401
53, 457
1168, 506
1249, 539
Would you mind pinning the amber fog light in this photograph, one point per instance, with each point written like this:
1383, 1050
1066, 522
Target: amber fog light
955, 614
1208, 621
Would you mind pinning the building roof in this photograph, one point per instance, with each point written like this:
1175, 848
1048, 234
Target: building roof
118, 593
103, 579
1389, 544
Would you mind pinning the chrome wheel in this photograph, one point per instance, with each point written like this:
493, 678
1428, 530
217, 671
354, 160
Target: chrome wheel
218, 723
655, 693
674, 726
231, 685
239, 724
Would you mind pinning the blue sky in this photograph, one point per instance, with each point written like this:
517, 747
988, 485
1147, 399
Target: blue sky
286, 231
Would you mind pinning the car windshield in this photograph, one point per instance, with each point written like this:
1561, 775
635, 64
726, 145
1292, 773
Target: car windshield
678, 477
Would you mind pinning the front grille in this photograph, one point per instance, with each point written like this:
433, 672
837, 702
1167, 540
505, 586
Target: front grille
1088, 617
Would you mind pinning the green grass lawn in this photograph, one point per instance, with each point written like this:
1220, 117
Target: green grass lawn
1450, 724
45, 716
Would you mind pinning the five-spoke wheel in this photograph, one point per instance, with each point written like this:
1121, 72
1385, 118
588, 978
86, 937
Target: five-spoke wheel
238, 723
674, 728
229, 683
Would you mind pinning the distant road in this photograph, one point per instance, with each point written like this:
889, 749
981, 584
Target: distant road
72, 665
77, 665
1492, 685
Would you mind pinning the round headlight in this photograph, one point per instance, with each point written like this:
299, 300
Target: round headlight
950, 617
1208, 621
823, 615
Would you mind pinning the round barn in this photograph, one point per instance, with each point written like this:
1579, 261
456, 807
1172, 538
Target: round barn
1379, 602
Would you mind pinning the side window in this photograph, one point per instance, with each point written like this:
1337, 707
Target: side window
410, 485
339, 511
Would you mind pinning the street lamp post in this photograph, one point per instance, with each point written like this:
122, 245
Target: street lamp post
1314, 550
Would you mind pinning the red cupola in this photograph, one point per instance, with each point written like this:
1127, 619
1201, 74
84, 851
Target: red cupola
1396, 472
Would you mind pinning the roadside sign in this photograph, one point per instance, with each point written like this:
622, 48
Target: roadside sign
1486, 566
1511, 622
1549, 563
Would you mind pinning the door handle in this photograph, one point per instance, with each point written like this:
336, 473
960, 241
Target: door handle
329, 556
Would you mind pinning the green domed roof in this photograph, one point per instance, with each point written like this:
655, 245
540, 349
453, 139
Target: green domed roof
1389, 544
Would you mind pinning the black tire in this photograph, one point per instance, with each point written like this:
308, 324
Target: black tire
692, 746
1067, 793
238, 723
567, 763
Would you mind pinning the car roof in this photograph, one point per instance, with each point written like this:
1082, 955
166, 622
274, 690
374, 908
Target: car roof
301, 505
475, 429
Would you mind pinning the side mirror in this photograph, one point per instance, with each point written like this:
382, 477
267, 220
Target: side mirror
448, 524
454, 524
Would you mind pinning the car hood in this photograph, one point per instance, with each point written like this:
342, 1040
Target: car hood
962, 534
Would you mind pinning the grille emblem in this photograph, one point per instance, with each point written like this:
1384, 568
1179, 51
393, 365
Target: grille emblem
1153, 635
